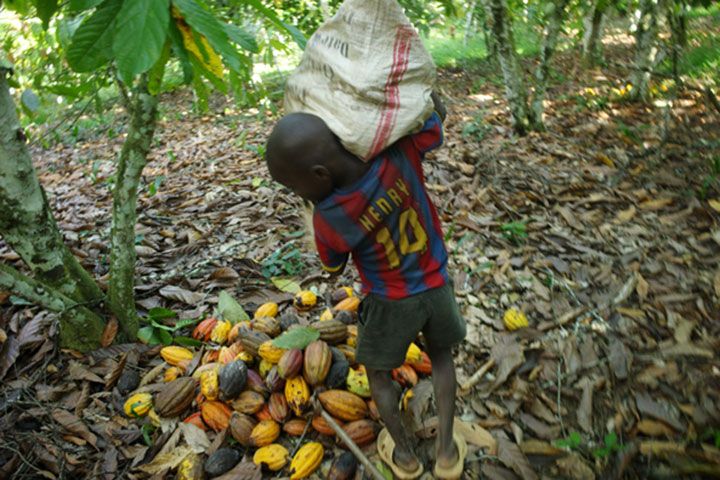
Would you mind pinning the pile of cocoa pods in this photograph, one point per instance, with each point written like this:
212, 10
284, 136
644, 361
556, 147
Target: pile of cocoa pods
262, 393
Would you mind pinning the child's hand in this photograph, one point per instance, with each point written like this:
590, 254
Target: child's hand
439, 106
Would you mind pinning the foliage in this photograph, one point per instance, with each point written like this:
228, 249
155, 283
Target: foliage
286, 260
516, 232
157, 332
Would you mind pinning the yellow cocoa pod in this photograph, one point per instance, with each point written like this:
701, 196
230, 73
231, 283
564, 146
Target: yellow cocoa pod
172, 373
350, 304
306, 460
264, 433
176, 356
154, 417
514, 319
138, 405
413, 354
270, 352
326, 315
191, 468
357, 382
220, 333
209, 384
245, 357
305, 300
273, 456
264, 367
297, 394
269, 309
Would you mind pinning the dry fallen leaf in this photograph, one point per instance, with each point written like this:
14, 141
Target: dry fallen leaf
74, 425
624, 216
512, 457
109, 332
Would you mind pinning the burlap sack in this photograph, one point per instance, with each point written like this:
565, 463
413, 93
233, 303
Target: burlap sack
366, 73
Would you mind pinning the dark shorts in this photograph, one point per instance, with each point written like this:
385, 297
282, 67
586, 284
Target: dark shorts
387, 327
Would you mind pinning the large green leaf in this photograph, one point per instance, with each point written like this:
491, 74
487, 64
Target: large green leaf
275, 20
140, 33
204, 22
230, 309
242, 37
179, 49
91, 45
20, 6
297, 338
45, 10
81, 5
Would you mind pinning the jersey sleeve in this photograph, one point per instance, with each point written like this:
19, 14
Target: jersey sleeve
431, 135
332, 257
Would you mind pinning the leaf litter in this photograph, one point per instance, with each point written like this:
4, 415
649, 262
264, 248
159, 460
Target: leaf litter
589, 234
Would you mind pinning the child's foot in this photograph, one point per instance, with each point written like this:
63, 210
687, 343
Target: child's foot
448, 458
405, 460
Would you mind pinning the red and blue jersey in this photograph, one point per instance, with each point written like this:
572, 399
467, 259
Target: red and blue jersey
387, 222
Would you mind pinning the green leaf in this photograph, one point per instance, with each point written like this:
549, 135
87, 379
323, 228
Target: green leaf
81, 5
186, 323
155, 77
187, 341
230, 309
205, 23
147, 335
275, 20
297, 338
29, 100
160, 313
201, 91
19, 6
91, 45
242, 37
45, 10
179, 49
140, 34
286, 284
198, 67
164, 336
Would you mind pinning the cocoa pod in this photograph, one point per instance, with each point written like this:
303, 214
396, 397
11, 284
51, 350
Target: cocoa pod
343, 467
175, 397
248, 402
290, 363
221, 461
232, 379
241, 426
278, 407
331, 331
316, 362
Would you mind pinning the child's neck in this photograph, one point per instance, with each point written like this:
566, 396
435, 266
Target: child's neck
351, 170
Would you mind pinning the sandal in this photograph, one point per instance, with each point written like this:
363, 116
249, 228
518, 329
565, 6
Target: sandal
386, 448
454, 472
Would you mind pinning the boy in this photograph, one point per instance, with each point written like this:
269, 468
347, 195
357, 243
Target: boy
380, 213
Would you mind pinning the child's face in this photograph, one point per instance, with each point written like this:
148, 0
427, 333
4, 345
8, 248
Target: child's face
314, 183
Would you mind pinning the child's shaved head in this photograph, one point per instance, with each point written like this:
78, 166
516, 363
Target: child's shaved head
304, 155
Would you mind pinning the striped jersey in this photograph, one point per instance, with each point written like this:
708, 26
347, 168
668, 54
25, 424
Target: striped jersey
387, 222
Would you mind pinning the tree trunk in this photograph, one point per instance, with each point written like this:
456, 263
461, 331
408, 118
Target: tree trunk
515, 90
646, 48
677, 18
80, 329
553, 26
121, 297
469, 22
26, 222
593, 21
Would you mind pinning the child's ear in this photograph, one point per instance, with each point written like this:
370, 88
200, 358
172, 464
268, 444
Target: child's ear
321, 172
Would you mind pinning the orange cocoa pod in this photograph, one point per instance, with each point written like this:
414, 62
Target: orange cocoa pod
343, 405
349, 304
264, 433
295, 427
362, 432
211, 356
216, 414
203, 329
424, 366
322, 427
405, 375
196, 419
278, 407
264, 413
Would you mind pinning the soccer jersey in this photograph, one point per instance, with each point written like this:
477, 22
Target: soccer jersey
387, 222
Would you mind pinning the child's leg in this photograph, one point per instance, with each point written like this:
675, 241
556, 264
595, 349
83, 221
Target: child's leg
444, 384
387, 398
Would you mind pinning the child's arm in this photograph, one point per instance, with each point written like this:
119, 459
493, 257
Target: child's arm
439, 106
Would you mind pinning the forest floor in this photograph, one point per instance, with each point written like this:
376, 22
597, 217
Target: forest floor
604, 230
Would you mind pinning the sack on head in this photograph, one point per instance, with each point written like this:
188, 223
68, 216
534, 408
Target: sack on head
366, 73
